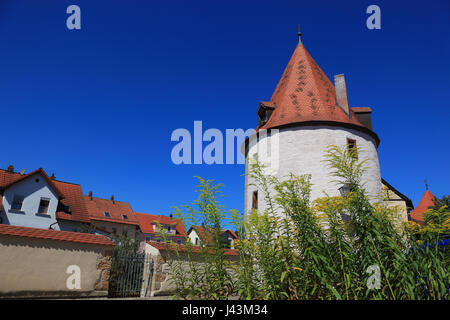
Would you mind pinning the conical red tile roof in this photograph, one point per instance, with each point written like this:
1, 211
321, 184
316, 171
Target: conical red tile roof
425, 202
304, 94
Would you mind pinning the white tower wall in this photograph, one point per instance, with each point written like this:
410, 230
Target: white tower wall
302, 151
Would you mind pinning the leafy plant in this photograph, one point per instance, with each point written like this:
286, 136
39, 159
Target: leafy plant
327, 249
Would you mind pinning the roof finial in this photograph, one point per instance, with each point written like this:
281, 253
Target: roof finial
426, 184
299, 34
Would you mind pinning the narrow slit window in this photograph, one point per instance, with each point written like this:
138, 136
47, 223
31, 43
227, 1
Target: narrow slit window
255, 200
352, 149
17, 202
43, 206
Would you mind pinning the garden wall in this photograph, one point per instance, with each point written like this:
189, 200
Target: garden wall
37, 263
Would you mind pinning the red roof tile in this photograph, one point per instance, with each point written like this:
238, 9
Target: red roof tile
147, 222
7, 177
8, 230
96, 208
361, 110
73, 197
181, 247
304, 94
417, 214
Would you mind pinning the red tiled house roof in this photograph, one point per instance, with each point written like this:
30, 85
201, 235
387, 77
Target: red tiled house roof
14, 178
73, 197
96, 208
147, 223
205, 236
69, 194
305, 96
28, 232
417, 214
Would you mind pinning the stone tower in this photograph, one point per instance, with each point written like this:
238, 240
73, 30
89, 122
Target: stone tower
310, 114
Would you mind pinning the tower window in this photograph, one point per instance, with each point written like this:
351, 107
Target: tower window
255, 200
351, 147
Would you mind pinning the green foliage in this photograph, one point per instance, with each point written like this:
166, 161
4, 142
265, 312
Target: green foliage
439, 203
124, 248
206, 275
295, 249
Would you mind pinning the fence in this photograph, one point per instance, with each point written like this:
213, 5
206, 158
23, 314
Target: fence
131, 275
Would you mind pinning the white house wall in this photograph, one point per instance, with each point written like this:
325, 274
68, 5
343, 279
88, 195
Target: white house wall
32, 192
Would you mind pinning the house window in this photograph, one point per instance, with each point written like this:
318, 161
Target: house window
255, 200
124, 217
351, 147
179, 241
43, 206
114, 230
147, 238
196, 241
125, 232
168, 228
107, 214
17, 202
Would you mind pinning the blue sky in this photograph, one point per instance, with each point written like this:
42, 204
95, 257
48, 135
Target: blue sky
97, 106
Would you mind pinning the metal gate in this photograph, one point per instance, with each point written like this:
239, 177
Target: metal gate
130, 274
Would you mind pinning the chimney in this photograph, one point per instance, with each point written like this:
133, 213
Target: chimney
171, 216
112, 199
10, 168
90, 194
53, 176
341, 92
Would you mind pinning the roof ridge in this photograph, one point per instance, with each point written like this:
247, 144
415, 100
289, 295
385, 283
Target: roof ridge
88, 196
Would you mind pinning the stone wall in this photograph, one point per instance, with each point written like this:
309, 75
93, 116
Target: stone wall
162, 284
104, 266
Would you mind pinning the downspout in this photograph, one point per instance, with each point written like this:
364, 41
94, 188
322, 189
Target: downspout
50, 227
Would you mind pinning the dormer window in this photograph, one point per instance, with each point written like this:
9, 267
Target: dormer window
124, 217
107, 214
67, 209
43, 206
264, 112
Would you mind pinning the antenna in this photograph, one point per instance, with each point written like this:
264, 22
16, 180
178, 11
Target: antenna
299, 34
426, 184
